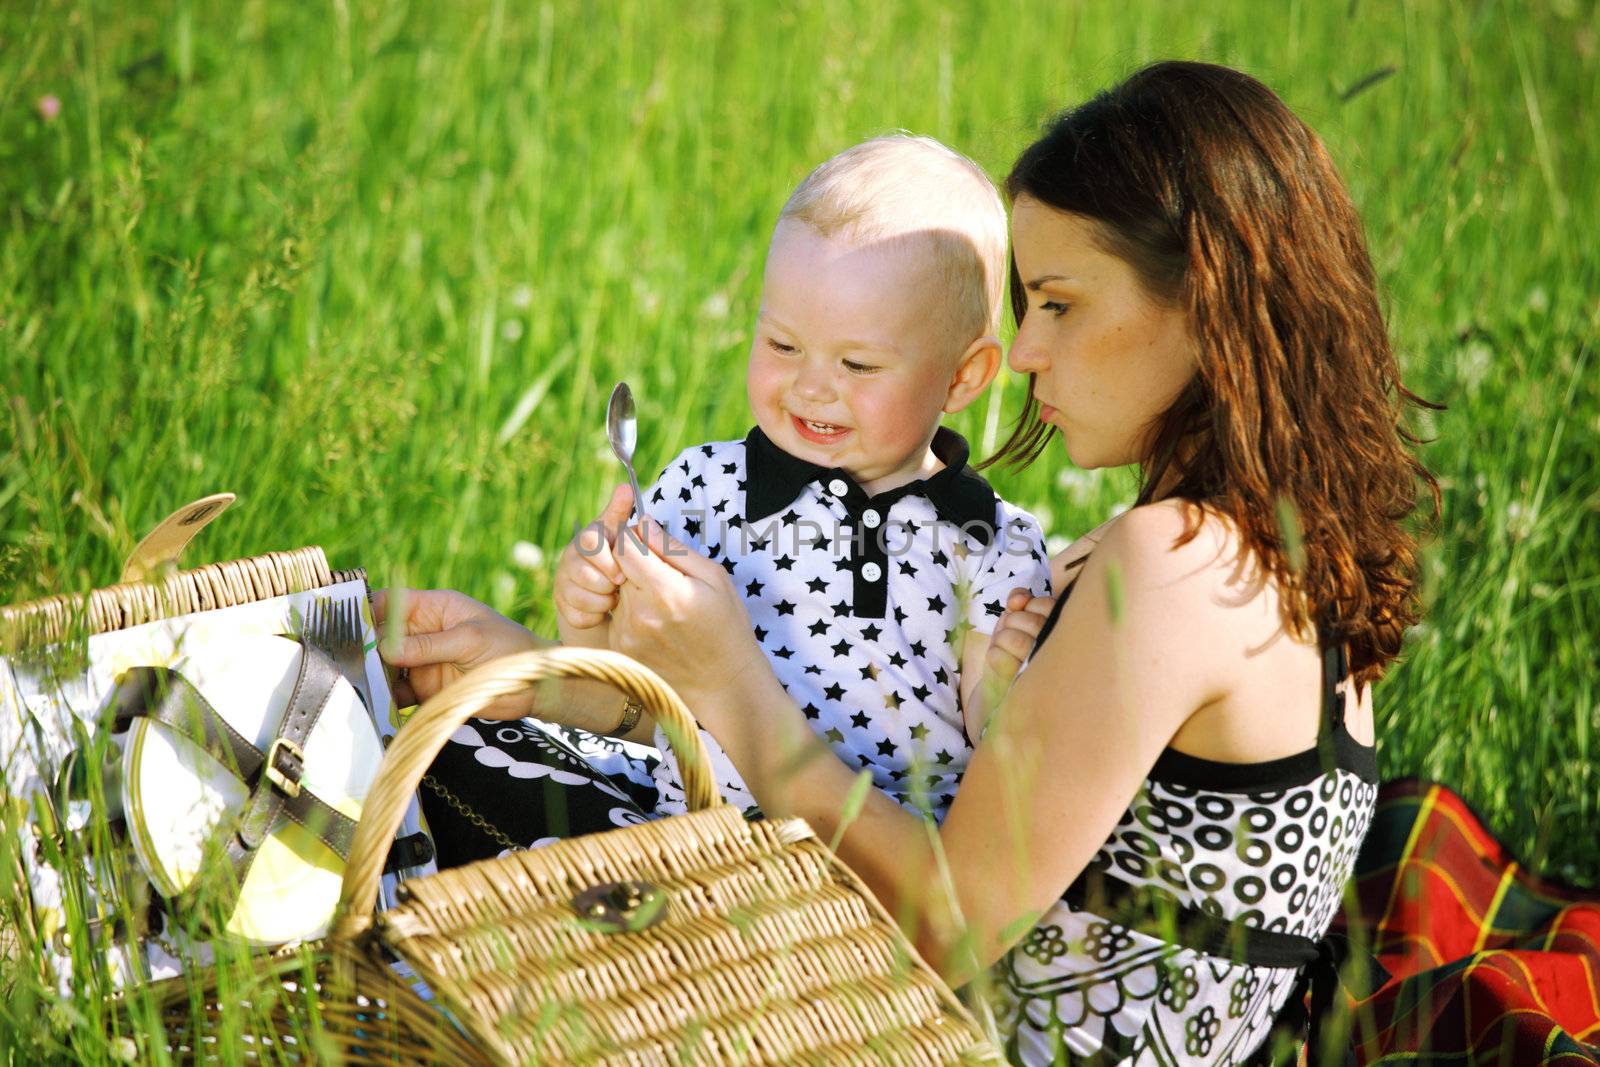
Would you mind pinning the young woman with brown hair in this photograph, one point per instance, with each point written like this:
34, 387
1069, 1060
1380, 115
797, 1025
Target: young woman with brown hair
1152, 835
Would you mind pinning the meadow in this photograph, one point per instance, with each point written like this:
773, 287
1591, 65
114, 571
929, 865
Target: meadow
374, 265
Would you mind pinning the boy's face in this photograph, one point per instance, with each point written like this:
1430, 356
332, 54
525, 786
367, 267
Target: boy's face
851, 363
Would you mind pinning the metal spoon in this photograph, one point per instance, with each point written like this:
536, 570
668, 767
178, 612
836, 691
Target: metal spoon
622, 429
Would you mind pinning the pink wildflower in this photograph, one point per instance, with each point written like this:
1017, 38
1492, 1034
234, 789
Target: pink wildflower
49, 107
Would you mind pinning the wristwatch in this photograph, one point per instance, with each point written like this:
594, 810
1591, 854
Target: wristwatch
631, 712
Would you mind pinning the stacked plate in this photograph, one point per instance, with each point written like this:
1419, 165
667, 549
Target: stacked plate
177, 799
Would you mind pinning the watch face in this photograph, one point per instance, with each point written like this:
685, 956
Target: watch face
178, 800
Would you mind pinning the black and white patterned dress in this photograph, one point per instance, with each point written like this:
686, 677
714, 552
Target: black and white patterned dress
1183, 940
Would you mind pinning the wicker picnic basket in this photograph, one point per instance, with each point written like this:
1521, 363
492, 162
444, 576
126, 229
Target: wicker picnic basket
697, 938
700, 938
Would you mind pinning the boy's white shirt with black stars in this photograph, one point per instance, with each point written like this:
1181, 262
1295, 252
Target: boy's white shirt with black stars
859, 602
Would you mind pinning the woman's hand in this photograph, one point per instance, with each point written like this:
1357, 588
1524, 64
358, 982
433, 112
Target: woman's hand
679, 614
448, 634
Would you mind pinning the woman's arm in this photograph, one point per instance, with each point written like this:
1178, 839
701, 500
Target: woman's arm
1066, 753
445, 634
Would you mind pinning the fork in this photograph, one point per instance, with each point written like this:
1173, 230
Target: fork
335, 627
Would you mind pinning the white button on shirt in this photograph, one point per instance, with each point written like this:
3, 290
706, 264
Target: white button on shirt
869, 651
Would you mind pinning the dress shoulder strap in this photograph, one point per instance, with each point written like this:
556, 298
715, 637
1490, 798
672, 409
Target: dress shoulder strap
1335, 668
1050, 620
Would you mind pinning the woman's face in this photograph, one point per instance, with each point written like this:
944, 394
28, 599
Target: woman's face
1109, 358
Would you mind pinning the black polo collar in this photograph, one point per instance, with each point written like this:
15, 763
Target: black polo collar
959, 494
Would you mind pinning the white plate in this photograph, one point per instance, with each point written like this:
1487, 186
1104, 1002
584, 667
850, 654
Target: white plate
175, 795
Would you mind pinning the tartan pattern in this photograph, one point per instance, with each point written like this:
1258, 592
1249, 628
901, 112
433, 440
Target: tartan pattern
1491, 964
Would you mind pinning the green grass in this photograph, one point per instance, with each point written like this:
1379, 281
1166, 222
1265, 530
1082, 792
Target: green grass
374, 265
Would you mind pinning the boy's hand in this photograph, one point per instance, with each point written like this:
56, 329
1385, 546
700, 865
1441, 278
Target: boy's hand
447, 634
587, 576
1012, 642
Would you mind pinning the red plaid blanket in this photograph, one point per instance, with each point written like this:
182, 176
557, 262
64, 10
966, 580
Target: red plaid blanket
1491, 964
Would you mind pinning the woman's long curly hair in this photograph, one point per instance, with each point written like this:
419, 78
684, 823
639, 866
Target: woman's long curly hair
1226, 204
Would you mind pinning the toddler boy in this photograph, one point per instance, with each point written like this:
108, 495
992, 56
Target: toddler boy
873, 560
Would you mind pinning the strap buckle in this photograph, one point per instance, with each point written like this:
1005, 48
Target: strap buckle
288, 786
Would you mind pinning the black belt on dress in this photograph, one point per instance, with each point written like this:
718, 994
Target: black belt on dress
1324, 963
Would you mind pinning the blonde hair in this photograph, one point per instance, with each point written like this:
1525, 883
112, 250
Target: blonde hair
905, 187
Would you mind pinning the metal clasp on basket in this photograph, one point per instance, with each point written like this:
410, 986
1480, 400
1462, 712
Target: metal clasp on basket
621, 907
289, 786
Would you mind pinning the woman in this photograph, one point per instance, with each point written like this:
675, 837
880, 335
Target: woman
1154, 830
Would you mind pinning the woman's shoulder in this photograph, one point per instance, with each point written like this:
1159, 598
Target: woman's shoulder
1178, 534
1168, 545
1147, 640
1185, 570
1199, 598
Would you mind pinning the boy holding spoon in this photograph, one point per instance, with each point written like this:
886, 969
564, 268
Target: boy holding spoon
873, 561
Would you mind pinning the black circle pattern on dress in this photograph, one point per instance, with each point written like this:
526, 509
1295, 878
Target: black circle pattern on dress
1277, 859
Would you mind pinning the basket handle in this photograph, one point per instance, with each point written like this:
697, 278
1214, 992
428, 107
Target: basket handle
166, 542
430, 726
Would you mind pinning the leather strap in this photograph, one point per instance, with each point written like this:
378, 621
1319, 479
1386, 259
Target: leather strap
283, 766
165, 696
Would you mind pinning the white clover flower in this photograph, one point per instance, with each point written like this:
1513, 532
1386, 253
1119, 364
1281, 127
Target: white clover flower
1519, 519
522, 297
648, 299
527, 555
1474, 363
1055, 544
511, 329
716, 306
1538, 299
